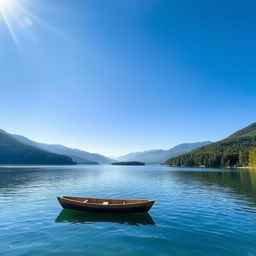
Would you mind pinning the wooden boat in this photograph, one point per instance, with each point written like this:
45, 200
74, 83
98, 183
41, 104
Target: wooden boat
105, 205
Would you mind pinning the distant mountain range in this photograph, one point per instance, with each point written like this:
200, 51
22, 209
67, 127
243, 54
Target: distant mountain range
160, 156
13, 151
17, 149
79, 156
237, 150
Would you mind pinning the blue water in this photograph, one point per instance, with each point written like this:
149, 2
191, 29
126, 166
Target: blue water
197, 211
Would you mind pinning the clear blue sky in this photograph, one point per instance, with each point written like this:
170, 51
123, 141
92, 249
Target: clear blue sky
116, 76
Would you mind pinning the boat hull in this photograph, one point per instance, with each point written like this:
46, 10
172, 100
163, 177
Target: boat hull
143, 206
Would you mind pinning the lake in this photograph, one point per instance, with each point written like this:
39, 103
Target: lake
197, 212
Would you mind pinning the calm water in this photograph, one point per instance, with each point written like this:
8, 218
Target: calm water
197, 211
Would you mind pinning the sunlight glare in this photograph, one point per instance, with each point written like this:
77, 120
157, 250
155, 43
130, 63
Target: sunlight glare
15, 15
12, 14
5, 4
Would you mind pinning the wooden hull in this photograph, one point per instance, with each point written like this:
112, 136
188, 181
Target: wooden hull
96, 205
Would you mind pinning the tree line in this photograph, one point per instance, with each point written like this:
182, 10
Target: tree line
252, 157
224, 159
231, 152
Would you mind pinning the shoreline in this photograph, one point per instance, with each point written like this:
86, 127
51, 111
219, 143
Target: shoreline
221, 167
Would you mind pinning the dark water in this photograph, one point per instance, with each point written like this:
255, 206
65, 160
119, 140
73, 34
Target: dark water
197, 212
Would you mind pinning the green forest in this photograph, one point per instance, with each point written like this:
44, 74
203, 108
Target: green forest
252, 158
238, 150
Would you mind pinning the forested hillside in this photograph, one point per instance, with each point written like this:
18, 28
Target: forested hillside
235, 151
77, 155
13, 151
252, 158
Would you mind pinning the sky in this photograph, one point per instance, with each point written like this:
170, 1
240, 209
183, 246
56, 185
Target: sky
118, 76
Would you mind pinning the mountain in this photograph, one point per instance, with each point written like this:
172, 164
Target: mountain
77, 155
13, 151
160, 156
234, 151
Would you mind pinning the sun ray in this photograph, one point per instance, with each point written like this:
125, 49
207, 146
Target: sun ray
16, 14
10, 29
40, 21
13, 14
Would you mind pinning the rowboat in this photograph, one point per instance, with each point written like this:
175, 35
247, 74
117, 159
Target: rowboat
104, 205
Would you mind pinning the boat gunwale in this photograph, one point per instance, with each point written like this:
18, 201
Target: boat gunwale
106, 205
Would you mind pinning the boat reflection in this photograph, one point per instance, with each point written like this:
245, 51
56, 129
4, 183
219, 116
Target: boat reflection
79, 217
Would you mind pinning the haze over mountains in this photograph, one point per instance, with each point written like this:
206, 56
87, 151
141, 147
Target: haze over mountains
79, 156
13, 151
239, 149
17, 149
160, 156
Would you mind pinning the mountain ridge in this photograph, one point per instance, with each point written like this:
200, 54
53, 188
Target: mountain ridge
13, 151
233, 151
80, 156
159, 156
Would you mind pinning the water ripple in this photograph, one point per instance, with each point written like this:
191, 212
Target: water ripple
197, 211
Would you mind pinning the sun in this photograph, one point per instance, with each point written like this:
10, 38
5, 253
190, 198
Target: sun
6, 11
15, 16
5, 4
6, 7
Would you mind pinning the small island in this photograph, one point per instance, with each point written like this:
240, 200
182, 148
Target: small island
128, 163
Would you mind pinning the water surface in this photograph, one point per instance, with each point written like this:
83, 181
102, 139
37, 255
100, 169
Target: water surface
197, 212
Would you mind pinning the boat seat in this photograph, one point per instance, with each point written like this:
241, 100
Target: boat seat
85, 201
106, 202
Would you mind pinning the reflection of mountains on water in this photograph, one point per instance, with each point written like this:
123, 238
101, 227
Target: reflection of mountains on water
241, 182
76, 217
19, 177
